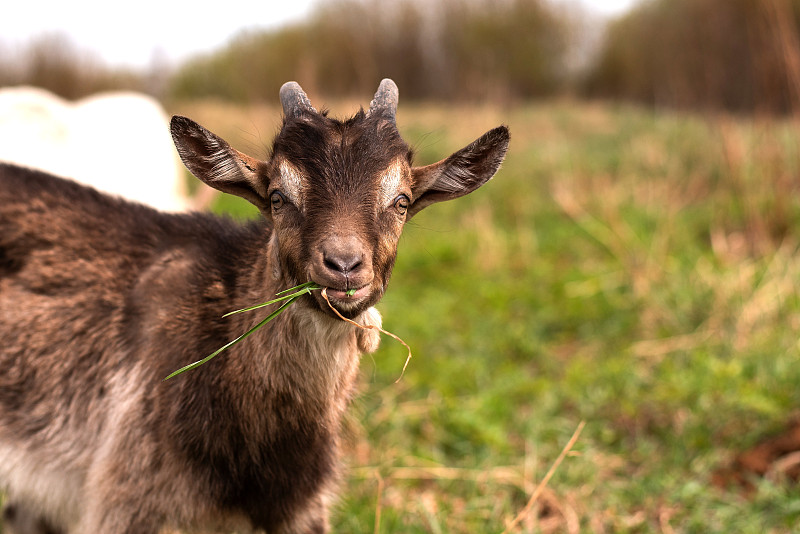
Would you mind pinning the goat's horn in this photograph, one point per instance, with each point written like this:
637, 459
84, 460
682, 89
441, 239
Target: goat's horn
385, 101
294, 100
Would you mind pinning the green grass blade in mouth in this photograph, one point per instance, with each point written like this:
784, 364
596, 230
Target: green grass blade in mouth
267, 319
302, 289
288, 297
311, 286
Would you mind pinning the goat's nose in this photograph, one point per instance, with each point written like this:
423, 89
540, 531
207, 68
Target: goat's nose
344, 256
342, 261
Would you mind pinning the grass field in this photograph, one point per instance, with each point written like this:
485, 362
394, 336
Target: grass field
634, 270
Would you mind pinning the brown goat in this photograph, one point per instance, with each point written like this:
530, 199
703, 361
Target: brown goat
101, 298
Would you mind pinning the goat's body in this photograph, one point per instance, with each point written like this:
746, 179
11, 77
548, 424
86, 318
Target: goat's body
101, 298
91, 291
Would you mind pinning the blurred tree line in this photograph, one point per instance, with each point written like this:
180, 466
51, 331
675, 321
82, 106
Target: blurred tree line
740, 55
54, 62
477, 49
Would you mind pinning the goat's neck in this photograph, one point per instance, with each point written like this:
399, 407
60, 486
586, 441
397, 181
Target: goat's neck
304, 354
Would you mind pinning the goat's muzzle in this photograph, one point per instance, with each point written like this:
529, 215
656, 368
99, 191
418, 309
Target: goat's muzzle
343, 264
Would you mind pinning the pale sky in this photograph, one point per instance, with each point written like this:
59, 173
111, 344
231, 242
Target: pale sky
132, 33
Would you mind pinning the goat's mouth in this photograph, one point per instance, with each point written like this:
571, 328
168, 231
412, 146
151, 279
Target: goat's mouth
347, 302
349, 296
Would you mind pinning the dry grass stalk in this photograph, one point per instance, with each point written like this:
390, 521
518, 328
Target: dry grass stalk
370, 327
543, 484
378, 503
498, 475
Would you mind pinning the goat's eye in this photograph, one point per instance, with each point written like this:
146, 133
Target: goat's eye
277, 200
401, 204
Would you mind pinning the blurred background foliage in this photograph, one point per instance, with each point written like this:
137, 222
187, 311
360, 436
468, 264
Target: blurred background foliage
737, 55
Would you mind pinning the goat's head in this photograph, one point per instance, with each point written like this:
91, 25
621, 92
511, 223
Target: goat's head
338, 192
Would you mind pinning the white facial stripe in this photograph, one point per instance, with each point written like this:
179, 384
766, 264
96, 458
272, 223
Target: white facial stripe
390, 184
292, 183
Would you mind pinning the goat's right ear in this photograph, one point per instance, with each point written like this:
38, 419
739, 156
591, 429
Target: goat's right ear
217, 163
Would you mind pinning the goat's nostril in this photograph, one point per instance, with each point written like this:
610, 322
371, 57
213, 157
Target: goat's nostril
342, 263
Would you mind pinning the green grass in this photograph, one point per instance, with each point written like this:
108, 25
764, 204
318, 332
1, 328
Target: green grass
630, 269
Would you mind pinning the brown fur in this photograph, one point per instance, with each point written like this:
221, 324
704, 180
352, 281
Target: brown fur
101, 298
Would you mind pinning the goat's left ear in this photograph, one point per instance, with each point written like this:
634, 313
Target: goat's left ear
461, 173
217, 163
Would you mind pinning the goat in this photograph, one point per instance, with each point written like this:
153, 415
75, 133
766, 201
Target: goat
42, 131
101, 298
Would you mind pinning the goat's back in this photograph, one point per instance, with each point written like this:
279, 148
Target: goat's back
90, 287
74, 264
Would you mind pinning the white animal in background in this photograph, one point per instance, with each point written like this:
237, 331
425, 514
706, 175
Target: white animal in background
72, 139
